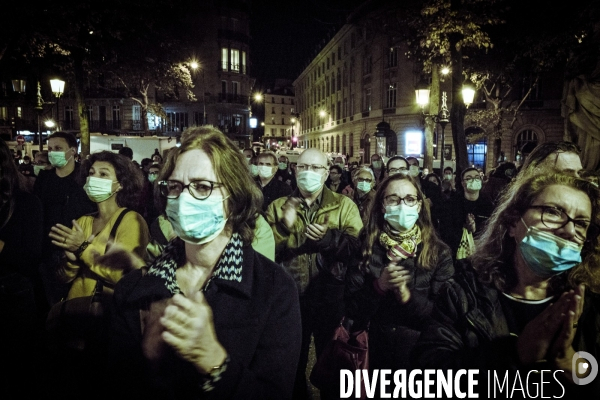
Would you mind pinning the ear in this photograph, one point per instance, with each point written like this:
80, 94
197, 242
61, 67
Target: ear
512, 230
420, 204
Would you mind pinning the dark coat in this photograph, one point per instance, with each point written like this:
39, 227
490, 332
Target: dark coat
273, 190
454, 214
468, 329
394, 327
256, 320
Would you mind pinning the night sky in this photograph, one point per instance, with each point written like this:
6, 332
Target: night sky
286, 33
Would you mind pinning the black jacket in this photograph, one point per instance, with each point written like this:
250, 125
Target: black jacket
468, 330
256, 320
392, 324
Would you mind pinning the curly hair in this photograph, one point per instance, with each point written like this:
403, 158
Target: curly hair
129, 176
495, 248
431, 243
245, 198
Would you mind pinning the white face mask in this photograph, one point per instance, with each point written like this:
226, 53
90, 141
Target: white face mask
309, 181
98, 189
413, 171
265, 172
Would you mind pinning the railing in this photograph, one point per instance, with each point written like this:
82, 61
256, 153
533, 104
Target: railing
232, 98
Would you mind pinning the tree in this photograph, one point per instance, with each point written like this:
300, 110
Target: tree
446, 32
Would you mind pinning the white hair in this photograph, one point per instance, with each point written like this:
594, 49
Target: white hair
363, 168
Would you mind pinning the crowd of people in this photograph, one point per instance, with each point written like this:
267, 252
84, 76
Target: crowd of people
222, 266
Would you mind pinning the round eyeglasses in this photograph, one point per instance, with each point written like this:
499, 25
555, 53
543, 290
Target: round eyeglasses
199, 190
555, 218
393, 200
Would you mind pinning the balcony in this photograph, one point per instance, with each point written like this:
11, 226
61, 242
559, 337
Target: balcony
231, 67
232, 98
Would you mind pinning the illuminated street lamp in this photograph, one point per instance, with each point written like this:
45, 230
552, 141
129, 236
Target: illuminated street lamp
58, 88
443, 117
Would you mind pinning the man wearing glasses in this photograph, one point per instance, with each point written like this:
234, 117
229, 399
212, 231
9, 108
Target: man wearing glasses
469, 209
315, 231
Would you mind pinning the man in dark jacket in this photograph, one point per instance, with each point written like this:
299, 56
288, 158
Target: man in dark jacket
63, 200
271, 187
468, 209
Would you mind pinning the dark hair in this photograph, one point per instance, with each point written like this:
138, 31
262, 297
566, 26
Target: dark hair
269, 154
146, 161
462, 174
448, 169
69, 137
158, 155
495, 248
431, 243
129, 176
127, 152
250, 149
336, 167
395, 158
542, 151
9, 182
245, 198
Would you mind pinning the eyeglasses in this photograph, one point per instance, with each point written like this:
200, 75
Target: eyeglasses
472, 178
199, 190
393, 200
396, 170
313, 168
555, 218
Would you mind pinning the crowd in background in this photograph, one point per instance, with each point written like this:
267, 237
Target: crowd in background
223, 265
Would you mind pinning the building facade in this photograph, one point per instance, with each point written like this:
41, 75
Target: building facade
280, 119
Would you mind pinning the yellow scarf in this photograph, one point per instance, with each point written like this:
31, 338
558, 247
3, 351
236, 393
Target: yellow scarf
400, 246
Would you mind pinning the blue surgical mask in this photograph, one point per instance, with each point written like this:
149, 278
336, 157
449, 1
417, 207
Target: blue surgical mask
196, 221
364, 186
37, 169
282, 166
98, 189
475, 184
377, 164
401, 217
58, 159
547, 254
413, 171
309, 181
254, 170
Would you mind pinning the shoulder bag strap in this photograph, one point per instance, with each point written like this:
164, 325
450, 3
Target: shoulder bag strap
113, 231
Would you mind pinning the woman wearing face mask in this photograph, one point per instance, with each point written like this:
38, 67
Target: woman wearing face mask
210, 314
364, 194
114, 184
528, 297
403, 266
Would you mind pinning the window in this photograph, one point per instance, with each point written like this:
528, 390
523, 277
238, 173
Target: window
235, 60
368, 64
526, 137
20, 112
273, 131
116, 113
235, 87
282, 110
282, 132
282, 121
392, 57
273, 110
390, 101
339, 80
283, 100
90, 113
243, 70
367, 100
333, 58
337, 110
339, 53
225, 59
351, 145
224, 87
272, 99
3, 113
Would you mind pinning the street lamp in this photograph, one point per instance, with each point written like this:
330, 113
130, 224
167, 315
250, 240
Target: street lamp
58, 88
293, 120
443, 117
195, 66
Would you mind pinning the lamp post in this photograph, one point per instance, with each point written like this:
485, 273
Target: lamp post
443, 117
195, 65
58, 88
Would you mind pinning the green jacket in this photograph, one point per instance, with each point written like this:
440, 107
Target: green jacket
304, 258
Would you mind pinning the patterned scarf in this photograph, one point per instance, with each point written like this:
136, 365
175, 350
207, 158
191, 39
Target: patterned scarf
400, 246
228, 268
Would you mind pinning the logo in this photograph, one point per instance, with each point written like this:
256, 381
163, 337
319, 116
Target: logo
584, 368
